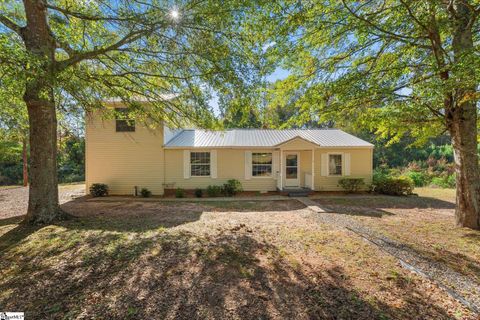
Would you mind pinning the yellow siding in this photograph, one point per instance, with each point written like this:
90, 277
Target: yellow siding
123, 159
230, 165
297, 144
305, 165
361, 167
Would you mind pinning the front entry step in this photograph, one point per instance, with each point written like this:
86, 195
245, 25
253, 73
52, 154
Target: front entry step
297, 192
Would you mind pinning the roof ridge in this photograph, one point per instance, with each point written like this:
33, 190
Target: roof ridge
248, 137
264, 129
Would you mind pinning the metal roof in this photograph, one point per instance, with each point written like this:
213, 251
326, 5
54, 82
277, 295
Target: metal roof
196, 138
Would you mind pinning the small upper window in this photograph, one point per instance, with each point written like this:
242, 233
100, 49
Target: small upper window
122, 121
200, 164
335, 164
261, 164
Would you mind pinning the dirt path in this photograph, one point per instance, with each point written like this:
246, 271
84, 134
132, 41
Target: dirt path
435, 271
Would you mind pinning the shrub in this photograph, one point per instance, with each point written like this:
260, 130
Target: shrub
99, 190
232, 187
145, 192
351, 184
214, 191
419, 178
198, 193
444, 182
393, 186
179, 193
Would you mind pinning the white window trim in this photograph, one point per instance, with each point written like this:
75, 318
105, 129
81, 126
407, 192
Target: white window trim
328, 164
271, 165
210, 164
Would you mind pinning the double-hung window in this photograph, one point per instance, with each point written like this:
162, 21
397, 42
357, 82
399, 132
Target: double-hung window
262, 164
122, 121
335, 165
200, 164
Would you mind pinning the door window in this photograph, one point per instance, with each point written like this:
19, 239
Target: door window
291, 166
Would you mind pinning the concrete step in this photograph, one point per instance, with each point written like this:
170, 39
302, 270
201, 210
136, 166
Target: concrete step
300, 192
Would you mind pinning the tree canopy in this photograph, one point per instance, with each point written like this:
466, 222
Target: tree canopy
171, 55
372, 63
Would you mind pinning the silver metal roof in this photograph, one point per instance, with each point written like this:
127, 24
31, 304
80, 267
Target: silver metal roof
196, 138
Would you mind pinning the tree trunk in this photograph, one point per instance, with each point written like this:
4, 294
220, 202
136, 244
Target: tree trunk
463, 130
43, 206
25, 162
461, 119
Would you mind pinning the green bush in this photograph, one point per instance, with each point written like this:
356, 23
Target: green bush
351, 184
232, 187
145, 193
214, 191
179, 193
420, 179
99, 190
395, 186
444, 182
198, 193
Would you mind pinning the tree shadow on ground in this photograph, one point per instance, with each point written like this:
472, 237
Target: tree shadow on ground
457, 261
137, 216
401, 202
376, 206
352, 210
16, 234
179, 275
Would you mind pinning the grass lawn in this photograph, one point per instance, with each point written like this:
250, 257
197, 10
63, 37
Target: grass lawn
426, 224
235, 260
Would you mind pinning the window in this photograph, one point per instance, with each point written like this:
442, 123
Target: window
122, 123
291, 166
335, 165
200, 164
261, 164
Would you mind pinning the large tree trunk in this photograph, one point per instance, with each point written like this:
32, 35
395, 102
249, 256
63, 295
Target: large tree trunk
43, 206
25, 162
461, 119
463, 130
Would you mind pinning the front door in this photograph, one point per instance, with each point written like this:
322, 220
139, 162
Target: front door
292, 172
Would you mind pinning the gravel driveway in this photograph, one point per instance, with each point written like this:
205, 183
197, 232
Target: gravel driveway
14, 201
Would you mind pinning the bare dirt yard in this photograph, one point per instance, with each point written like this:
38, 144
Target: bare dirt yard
216, 260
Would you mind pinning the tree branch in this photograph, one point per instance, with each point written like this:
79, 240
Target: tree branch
83, 16
399, 37
11, 25
129, 38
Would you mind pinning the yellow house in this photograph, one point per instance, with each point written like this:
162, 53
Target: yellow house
125, 155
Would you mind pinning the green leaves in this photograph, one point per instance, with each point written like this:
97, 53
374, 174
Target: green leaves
134, 50
374, 65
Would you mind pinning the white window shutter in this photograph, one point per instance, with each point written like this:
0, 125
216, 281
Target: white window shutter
213, 164
248, 165
275, 164
347, 163
324, 164
186, 164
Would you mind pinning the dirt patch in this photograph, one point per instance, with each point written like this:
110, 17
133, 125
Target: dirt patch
14, 201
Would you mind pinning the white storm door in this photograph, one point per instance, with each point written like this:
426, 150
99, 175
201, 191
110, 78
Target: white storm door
292, 170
